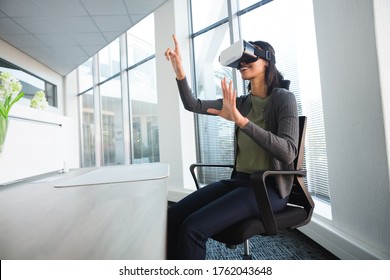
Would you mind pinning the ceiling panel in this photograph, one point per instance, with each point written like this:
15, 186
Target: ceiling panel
64, 34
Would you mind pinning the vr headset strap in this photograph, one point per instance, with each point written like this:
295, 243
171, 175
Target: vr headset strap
265, 55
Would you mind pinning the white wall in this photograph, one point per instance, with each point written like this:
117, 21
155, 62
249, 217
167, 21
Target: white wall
355, 135
32, 146
71, 108
382, 31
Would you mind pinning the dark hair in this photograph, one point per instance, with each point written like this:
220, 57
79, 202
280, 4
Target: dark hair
273, 78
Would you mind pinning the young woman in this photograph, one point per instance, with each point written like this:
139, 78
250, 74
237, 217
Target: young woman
266, 137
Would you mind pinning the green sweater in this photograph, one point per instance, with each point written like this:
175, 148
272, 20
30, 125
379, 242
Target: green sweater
250, 156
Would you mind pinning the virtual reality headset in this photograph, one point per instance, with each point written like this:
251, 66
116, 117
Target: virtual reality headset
242, 51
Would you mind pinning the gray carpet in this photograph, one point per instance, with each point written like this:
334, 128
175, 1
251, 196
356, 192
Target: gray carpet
287, 245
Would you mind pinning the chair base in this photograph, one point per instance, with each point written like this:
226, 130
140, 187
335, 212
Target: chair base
246, 255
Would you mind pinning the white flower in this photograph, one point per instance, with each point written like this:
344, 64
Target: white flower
10, 86
39, 101
10, 93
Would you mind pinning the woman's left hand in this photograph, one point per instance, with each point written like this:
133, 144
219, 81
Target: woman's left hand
229, 110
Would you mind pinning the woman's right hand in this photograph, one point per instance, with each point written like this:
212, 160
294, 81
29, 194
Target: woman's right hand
175, 57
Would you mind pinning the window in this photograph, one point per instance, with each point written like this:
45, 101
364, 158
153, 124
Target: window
88, 129
31, 83
210, 14
296, 59
119, 105
217, 148
143, 93
112, 122
143, 101
85, 76
109, 61
140, 41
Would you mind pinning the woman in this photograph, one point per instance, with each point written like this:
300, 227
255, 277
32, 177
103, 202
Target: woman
266, 137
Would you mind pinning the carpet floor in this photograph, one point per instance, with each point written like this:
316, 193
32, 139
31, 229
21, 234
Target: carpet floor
287, 245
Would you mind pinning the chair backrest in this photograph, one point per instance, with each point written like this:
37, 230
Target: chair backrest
299, 194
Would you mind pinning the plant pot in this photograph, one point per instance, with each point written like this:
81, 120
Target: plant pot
3, 132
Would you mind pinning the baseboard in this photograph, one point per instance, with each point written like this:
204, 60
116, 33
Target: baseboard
338, 243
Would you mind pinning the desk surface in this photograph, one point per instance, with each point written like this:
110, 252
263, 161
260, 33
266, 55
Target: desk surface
58, 218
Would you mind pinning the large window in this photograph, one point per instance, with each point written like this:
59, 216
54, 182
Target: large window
293, 37
118, 100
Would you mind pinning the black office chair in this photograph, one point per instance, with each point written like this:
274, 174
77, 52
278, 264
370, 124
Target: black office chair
297, 213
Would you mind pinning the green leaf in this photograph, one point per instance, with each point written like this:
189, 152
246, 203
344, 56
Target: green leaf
17, 98
3, 110
7, 101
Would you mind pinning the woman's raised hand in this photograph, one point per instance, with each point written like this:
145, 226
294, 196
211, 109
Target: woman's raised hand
175, 57
229, 110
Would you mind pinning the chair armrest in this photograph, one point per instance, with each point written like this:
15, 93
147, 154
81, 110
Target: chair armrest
259, 187
194, 165
301, 173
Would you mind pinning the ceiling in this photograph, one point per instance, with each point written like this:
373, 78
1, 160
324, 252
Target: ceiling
62, 34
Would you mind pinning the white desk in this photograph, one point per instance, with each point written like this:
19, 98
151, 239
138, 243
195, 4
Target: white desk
78, 216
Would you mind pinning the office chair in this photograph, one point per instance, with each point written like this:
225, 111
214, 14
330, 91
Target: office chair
297, 213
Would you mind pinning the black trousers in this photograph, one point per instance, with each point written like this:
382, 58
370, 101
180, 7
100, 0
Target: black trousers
207, 211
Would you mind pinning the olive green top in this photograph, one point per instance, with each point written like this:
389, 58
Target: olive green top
251, 156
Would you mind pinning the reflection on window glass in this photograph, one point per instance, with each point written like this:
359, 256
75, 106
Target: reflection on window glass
112, 123
109, 61
140, 41
85, 75
88, 129
143, 99
205, 14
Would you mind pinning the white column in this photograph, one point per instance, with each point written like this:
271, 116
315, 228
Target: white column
176, 125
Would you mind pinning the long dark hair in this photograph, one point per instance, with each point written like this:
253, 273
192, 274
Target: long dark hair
273, 78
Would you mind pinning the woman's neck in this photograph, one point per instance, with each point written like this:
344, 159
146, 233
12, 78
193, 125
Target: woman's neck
259, 88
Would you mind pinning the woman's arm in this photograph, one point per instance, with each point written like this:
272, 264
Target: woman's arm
175, 57
225, 108
190, 102
193, 104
